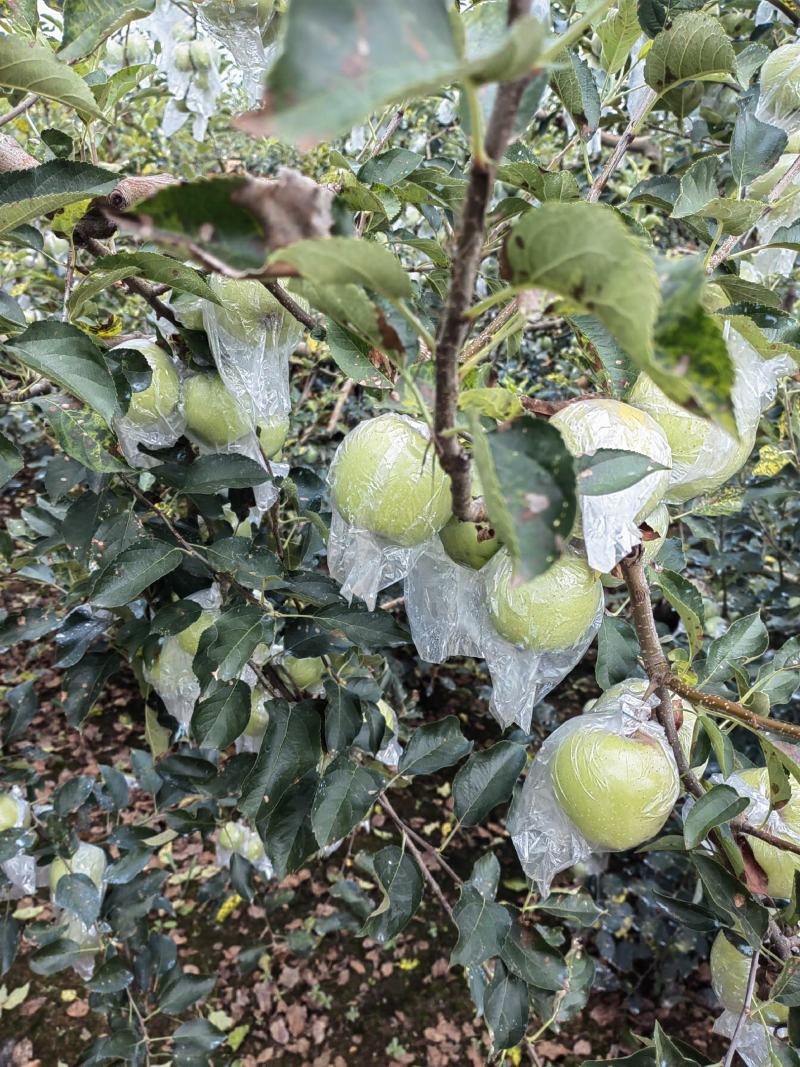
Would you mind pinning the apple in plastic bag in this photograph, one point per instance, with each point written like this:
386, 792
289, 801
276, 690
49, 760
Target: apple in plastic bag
10, 812
550, 612
251, 314
232, 836
272, 434
137, 49
461, 539
87, 859
212, 413
188, 310
386, 479
730, 967
779, 866
617, 790
304, 671
259, 716
658, 521
160, 399
189, 639
694, 441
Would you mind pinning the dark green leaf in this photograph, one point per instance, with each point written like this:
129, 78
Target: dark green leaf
577, 90
729, 895
31, 67
286, 829
212, 473
55, 957
222, 715
347, 260
694, 46
12, 317
401, 884
111, 977
290, 748
351, 356
433, 746
390, 167
87, 22
11, 460
609, 470
187, 990
719, 805
617, 651
755, 146
530, 957
366, 629
78, 893
250, 565
486, 780
10, 934
698, 186
133, 571
482, 928
506, 1008
23, 706
82, 434
346, 793
236, 635
85, 682
744, 640
688, 603
342, 717
721, 744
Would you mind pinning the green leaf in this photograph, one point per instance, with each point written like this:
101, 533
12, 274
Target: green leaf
697, 187
365, 629
286, 829
213, 474
585, 253
667, 1052
486, 780
109, 93
618, 32
721, 744
185, 991
745, 639
151, 265
688, 603
577, 90
11, 460
29, 67
735, 216
482, 928
719, 805
390, 167
779, 767
598, 344
236, 634
343, 717
530, 957
506, 1008
779, 678
88, 22
528, 483
401, 884
694, 47
730, 896
609, 470
78, 894
55, 956
111, 977
85, 682
345, 794
740, 290
347, 260
660, 192
12, 317
617, 651
290, 748
84, 293
433, 746
755, 147
786, 989
222, 715
351, 356
82, 434
133, 571
65, 355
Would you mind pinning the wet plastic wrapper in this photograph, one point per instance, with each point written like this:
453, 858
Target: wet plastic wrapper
609, 522
779, 97
546, 839
236, 28
91, 861
237, 838
155, 415
447, 610
757, 1044
20, 870
384, 473
778, 261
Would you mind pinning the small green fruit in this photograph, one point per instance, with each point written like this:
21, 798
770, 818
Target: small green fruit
212, 414
658, 521
183, 57
386, 479
259, 716
87, 859
232, 836
304, 671
460, 539
253, 850
137, 49
618, 791
272, 434
10, 812
551, 611
730, 968
189, 639
203, 54
160, 399
779, 866
704, 456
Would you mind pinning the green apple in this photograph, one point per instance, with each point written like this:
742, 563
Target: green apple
86, 859
249, 312
160, 399
113, 56
658, 521
13, 812
232, 836
183, 57
203, 54
617, 790
253, 849
188, 310
304, 671
779, 866
386, 479
259, 716
137, 49
189, 639
780, 80
704, 456
272, 434
551, 611
212, 414
460, 539
730, 968
589, 425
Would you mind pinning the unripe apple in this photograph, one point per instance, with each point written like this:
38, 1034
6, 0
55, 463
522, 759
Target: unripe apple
188, 310
137, 49
249, 312
704, 456
160, 399
203, 54
253, 849
304, 671
272, 434
617, 790
779, 866
212, 414
780, 80
259, 716
183, 57
86, 859
189, 639
232, 836
589, 425
658, 521
460, 539
386, 478
113, 55
730, 968
13, 812
551, 611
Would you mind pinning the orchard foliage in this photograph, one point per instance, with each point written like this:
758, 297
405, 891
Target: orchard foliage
468, 214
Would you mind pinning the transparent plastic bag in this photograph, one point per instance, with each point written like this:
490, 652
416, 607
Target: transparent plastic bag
89, 860
623, 789
155, 415
236, 27
390, 499
237, 838
20, 870
608, 523
779, 98
757, 1044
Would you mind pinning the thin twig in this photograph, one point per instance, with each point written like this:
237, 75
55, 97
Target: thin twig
748, 998
423, 867
381, 143
291, 306
731, 708
20, 109
135, 285
624, 143
338, 407
488, 332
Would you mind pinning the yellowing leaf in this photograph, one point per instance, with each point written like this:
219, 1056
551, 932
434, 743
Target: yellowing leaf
771, 460
227, 908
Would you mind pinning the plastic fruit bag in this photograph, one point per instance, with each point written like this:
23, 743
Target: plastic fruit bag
88, 860
155, 415
605, 782
20, 870
237, 838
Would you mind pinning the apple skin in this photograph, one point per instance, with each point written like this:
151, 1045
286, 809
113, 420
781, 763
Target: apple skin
212, 414
248, 312
729, 971
87, 859
259, 716
618, 791
780, 867
189, 639
272, 434
589, 425
10, 812
386, 479
658, 521
160, 399
460, 539
304, 671
551, 611
692, 439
